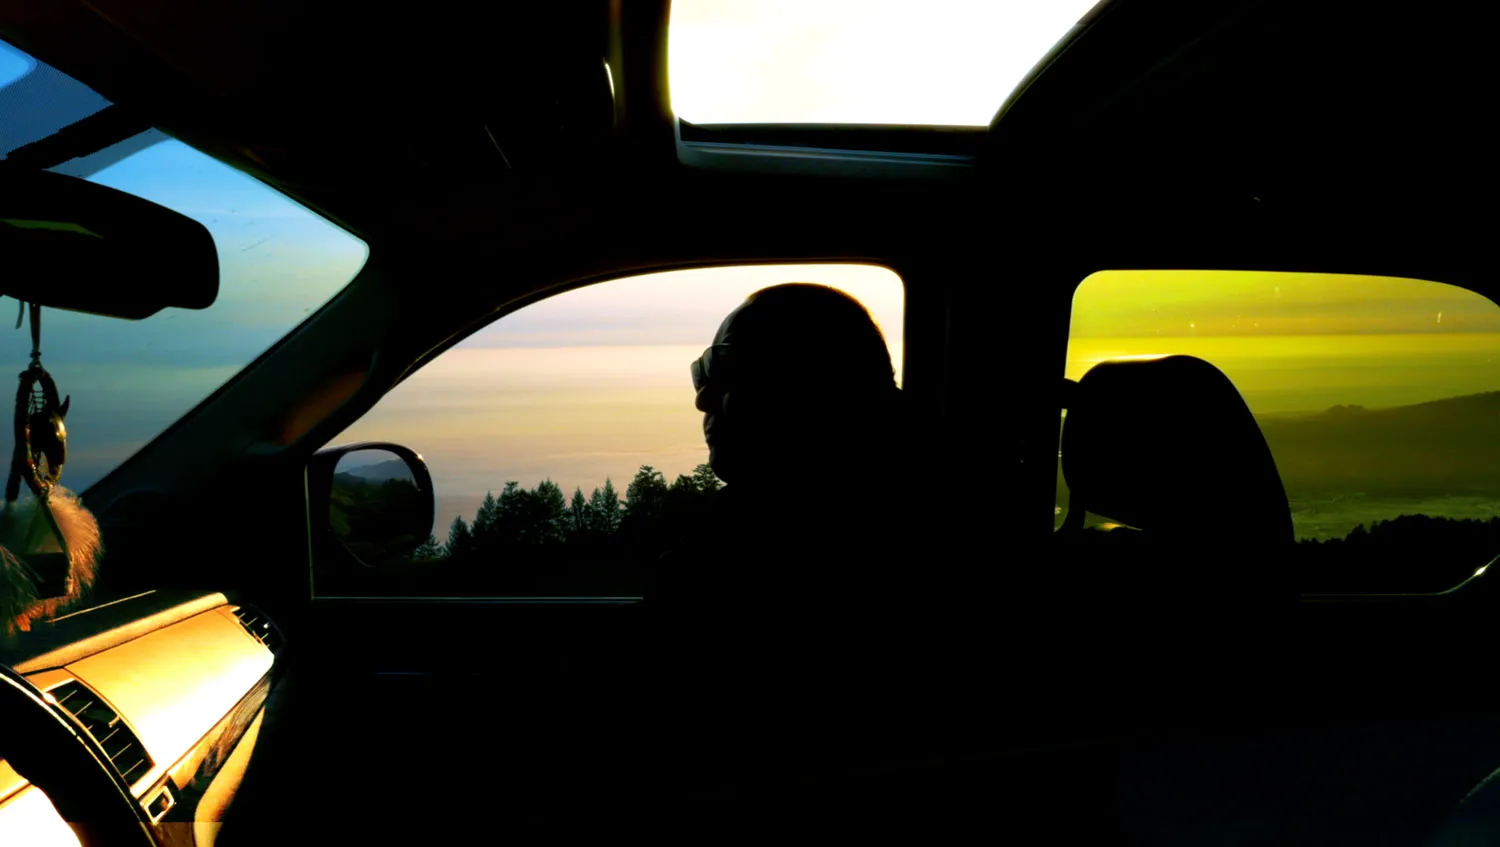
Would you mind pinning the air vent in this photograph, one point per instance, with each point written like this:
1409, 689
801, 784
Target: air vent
107, 728
260, 626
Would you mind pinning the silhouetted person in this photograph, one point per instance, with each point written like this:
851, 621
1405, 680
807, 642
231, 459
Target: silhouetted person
804, 425
781, 613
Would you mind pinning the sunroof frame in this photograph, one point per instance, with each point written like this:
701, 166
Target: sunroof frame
850, 150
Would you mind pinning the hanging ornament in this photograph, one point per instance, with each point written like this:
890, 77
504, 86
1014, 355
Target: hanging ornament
41, 446
49, 544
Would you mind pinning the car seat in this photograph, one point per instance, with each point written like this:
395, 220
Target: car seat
1167, 446
1193, 606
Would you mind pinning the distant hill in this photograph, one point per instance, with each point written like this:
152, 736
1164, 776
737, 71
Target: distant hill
379, 472
1447, 409
1448, 446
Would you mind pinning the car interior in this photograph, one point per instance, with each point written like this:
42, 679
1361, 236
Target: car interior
1164, 663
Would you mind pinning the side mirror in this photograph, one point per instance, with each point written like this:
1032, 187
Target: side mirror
374, 500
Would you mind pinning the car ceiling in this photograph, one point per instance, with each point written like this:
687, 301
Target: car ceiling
384, 121
389, 124
1331, 136
369, 117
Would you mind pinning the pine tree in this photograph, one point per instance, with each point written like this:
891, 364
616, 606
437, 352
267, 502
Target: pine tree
459, 539
510, 513
706, 480
429, 550
596, 511
578, 514
646, 495
605, 505
549, 508
484, 521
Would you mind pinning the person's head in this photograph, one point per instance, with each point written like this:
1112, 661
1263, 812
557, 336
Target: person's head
797, 374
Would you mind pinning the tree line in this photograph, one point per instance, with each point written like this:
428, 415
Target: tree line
522, 523
1405, 554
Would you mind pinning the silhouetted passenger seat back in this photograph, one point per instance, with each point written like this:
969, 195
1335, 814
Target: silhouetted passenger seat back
1191, 612
1169, 447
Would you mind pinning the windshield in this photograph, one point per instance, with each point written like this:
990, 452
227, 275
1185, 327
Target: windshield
129, 380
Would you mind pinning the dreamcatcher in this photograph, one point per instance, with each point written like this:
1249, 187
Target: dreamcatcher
41, 438
49, 544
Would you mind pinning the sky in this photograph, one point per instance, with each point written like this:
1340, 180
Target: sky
278, 262
13, 65
1296, 342
933, 62
590, 384
129, 380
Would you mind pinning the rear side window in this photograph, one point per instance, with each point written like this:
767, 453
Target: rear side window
1376, 395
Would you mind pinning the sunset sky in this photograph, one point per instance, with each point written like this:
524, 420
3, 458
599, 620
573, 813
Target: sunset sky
1296, 342
590, 384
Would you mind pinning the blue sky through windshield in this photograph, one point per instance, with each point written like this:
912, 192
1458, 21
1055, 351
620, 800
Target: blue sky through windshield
13, 64
39, 100
129, 380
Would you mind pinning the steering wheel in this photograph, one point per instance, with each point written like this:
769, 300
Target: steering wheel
69, 767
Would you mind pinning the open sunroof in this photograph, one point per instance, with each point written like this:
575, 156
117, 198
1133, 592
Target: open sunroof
857, 62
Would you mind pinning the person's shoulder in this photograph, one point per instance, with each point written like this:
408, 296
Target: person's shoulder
686, 558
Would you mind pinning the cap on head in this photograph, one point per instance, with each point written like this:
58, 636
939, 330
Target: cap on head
804, 331
805, 377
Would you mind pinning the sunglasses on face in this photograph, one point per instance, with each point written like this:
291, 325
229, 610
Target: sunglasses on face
713, 364
719, 366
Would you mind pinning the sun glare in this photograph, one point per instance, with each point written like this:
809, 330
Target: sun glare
912, 62
30, 818
13, 64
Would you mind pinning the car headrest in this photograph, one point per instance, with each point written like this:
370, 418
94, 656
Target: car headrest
1168, 446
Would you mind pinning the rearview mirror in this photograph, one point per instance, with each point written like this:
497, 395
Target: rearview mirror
375, 500
71, 244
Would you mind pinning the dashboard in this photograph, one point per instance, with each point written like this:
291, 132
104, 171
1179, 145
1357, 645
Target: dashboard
172, 685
